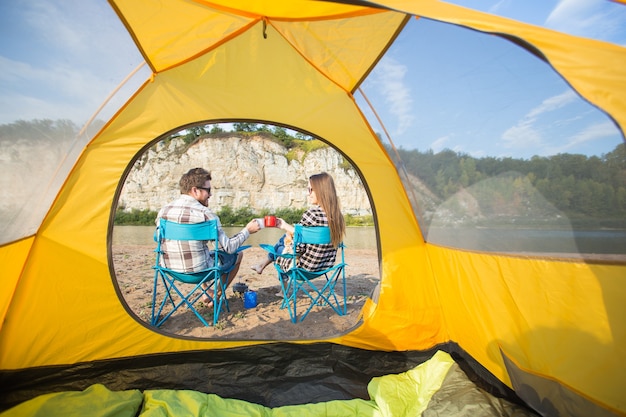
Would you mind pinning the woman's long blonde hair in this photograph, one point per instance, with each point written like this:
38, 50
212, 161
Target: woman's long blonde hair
324, 187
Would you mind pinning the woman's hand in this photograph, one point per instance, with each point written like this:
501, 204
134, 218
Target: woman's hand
281, 224
288, 239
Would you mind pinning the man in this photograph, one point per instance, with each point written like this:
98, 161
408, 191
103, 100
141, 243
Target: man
192, 207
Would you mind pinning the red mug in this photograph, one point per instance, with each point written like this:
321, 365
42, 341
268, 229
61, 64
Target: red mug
270, 221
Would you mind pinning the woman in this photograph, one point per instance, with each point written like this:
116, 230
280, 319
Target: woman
325, 211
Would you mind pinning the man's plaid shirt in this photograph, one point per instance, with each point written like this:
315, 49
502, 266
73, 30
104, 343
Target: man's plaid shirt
193, 255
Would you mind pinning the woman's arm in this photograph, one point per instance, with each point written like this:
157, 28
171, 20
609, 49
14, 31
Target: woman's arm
281, 224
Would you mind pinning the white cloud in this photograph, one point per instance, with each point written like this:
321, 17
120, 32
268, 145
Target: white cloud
22, 107
496, 7
78, 52
592, 133
439, 144
52, 26
553, 103
55, 91
525, 134
598, 19
390, 78
11, 71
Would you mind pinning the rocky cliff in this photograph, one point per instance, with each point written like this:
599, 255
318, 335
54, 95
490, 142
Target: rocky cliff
254, 172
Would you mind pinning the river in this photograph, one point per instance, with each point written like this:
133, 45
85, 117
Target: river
609, 242
605, 242
356, 237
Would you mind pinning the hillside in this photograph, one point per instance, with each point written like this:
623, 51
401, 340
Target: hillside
248, 171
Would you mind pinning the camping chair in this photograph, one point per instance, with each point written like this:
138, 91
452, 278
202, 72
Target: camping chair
297, 280
176, 293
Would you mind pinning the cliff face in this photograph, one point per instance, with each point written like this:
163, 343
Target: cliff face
253, 172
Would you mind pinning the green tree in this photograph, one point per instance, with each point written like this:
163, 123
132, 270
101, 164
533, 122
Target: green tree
216, 129
193, 133
245, 127
46, 130
620, 199
281, 134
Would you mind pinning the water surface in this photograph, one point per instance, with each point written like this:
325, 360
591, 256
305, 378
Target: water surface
356, 237
606, 242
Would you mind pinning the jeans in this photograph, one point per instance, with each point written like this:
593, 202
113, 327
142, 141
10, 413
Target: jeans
279, 247
227, 260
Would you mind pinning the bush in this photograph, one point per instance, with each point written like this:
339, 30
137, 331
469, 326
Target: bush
230, 217
134, 217
352, 220
239, 217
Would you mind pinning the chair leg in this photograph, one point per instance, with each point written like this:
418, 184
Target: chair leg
321, 295
187, 300
166, 296
325, 295
217, 299
154, 293
222, 282
220, 301
313, 294
289, 290
345, 291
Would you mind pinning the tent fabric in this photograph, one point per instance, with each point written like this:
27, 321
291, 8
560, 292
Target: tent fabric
408, 393
96, 401
164, 403
459, 396
272, 374
534, 389
296, 63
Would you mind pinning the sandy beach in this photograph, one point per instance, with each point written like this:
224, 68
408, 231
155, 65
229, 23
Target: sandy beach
267, 321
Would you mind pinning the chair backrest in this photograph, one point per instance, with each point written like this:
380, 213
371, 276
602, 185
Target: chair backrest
200, 232
187, 231
319, 235
300, 279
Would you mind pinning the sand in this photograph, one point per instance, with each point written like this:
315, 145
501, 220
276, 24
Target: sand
266, 321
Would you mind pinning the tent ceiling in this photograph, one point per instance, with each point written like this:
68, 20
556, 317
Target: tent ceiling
352, 38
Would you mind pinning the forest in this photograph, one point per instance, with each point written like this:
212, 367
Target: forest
582, 187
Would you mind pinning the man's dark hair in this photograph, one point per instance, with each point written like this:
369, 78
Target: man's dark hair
195, 177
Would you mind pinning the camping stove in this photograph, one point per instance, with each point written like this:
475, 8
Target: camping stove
239, 289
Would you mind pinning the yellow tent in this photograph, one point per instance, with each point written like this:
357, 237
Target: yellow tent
62, 315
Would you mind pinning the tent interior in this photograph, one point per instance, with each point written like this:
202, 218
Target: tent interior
491, 151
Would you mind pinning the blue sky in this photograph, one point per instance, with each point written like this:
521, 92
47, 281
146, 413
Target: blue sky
60, 59
480, 95
458, 90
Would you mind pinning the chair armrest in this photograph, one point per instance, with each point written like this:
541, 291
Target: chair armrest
240, 249
268, 248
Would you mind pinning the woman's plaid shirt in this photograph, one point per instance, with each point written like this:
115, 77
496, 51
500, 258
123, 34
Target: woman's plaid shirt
312, 257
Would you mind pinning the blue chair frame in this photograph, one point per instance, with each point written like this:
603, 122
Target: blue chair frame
171, 279
297, 280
